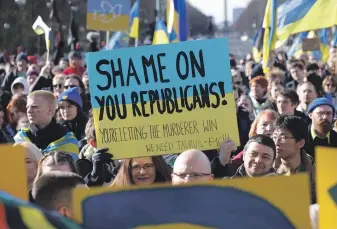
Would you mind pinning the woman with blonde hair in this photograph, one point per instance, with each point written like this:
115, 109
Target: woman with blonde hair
33, 156
143, 170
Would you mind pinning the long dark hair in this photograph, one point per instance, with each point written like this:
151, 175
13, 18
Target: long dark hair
163, 172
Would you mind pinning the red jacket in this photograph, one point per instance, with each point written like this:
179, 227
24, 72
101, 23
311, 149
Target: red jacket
77, 71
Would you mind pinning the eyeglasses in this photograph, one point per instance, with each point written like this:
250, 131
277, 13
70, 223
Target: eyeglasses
192, 175
237, 82
70, 86
322, 113
138, 168
58, 86
282, 138
330, 85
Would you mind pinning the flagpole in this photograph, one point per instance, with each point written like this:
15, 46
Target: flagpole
107, 37
136, 42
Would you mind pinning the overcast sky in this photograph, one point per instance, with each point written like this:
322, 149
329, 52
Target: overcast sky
215, 8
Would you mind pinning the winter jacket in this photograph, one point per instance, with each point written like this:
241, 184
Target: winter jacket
307, 165
77, 125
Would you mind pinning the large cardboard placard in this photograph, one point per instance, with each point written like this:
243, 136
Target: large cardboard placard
326, 180
163, 99
13, 173
239, 203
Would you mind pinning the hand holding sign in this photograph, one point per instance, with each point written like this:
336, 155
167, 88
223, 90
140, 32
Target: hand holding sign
226, 149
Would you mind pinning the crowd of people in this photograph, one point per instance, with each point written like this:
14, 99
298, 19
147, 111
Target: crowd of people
282, 115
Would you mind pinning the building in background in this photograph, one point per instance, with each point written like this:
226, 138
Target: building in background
237, 13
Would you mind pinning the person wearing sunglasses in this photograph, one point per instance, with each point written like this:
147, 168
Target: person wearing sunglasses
75, 81
191, 165
58, 85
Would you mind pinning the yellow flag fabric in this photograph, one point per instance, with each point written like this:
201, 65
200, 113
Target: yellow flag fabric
41, 28
305, 15
269, 39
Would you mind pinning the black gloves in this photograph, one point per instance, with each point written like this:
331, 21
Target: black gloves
102, 168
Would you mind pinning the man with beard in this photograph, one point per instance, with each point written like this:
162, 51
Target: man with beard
258, 156
321, 112
290, 137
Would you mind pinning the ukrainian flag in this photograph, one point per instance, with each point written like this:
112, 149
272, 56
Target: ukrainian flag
40, 28
161, 35
296, 48
305, 15
134, 20
18, 214
118, 40
269, 38
324, 45
258, 44
334, 40
177, 19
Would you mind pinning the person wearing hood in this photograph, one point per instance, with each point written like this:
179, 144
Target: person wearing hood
20, 86
32, 157
70, 106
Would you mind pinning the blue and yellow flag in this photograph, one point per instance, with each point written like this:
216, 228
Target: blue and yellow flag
134, 20
18, 214
324, 45
177, 20
296, 48
118, 40
334, 40
40, 28
269, 39
258, 44
305, 15
161, 35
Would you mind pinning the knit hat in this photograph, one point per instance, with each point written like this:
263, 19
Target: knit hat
73, 95
22, 56
320, 102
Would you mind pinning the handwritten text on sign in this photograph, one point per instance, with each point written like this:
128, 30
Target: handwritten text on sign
162, 99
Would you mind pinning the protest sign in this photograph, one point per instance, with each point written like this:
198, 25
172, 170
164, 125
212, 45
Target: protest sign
108, 15
13, 174
238, 203
326, 180
311, 44
162, 99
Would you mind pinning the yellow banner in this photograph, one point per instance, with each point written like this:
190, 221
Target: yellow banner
238, 203
326, 180
13, 174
